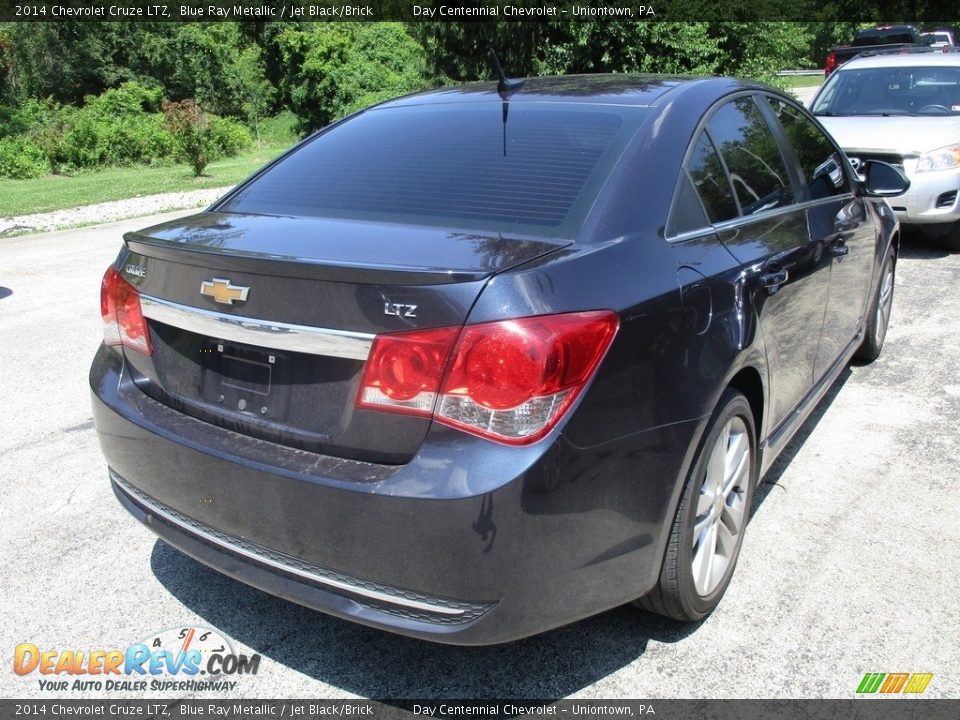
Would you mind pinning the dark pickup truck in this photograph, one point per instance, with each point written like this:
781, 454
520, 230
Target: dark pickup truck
878, 39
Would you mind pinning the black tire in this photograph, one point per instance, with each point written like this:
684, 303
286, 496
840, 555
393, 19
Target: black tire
878, 318
677, 594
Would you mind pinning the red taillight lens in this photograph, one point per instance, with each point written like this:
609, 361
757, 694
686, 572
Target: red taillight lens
123, 321
509, 381
831, 64
404, 370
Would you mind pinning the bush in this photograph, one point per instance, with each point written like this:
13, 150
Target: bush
228, 137
188, 124
123, 126
21, 158
120, 127
281, 129
24, 118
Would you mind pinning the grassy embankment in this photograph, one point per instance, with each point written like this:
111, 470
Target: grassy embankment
56, 192
802, 81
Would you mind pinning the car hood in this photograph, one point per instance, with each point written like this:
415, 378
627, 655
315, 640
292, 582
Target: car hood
900, 135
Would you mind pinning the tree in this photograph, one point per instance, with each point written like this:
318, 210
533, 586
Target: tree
255, 90
187, 122
330, 70
611, 46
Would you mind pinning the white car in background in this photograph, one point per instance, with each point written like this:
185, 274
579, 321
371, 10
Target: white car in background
904, 109
940, 38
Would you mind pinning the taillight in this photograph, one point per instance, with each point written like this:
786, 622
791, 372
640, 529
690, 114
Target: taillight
510, 381
123, 322
404, 370
831, 64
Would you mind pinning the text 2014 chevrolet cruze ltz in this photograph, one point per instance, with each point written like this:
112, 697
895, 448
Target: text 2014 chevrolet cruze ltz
472, 364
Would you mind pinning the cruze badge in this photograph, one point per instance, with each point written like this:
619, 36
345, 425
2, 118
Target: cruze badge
223, 291
399, 309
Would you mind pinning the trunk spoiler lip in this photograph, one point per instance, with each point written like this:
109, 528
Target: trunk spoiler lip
305, 268
369, 272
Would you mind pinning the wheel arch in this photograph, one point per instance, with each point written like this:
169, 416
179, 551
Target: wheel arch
748, 382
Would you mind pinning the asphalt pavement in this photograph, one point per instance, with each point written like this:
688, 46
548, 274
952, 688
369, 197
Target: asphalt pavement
850, 564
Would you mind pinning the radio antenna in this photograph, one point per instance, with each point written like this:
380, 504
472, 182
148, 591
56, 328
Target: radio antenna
504, 86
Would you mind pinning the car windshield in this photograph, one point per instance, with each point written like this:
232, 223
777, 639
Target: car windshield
891, 91
534, 168
888, 38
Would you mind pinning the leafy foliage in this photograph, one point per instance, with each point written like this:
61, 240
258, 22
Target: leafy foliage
123, 126
188, 124
89, 94
331, 70
21, 158
119, 127
671, 48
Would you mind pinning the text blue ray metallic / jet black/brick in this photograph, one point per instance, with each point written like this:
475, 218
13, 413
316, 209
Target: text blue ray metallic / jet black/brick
470, 365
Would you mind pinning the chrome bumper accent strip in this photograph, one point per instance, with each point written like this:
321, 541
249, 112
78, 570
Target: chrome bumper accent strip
262, 333
451, 609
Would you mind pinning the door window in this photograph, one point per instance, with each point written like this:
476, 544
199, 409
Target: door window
820, 162
707, 174
752, 156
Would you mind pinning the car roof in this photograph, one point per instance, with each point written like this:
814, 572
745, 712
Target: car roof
885, 30
924, 58
608, 89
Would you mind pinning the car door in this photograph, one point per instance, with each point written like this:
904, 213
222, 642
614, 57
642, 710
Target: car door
786, 273
840, 222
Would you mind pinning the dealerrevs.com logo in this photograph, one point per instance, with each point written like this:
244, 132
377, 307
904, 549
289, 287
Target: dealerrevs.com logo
179, 659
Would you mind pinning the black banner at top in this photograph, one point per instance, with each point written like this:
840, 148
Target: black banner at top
878, 11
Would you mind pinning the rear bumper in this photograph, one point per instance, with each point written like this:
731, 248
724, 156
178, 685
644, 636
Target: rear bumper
470, 543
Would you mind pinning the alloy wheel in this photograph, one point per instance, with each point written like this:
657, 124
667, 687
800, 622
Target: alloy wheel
721, 506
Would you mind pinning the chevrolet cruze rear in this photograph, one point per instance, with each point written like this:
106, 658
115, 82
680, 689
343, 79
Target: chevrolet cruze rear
470, 364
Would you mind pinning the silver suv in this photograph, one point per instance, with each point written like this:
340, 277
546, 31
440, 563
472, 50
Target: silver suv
903, 109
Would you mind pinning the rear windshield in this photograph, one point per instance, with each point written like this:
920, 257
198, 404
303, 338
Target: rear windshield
891, 91
452, 165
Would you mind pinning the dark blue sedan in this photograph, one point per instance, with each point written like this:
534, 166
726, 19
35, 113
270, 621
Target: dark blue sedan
475, 363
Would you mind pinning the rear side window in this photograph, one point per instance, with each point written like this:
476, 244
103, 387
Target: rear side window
820, 162
706, 172
753, 159
465, 165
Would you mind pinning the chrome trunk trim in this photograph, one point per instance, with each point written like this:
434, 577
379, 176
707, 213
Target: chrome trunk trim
262, 333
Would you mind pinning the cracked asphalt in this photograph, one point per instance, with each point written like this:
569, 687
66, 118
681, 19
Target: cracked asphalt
849, 565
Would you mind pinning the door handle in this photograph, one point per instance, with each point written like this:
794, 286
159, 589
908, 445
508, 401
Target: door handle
772, 280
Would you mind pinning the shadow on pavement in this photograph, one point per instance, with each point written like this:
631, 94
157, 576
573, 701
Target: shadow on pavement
377, 664
769, 481
920, 245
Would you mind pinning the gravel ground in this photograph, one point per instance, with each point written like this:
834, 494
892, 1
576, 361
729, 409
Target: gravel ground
108, 211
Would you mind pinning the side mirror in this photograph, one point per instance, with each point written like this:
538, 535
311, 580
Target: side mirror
882, 179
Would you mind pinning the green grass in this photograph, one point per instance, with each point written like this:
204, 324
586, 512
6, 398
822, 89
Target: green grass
56, 192
802, 81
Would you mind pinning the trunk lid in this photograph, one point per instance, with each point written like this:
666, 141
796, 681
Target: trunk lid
262, 324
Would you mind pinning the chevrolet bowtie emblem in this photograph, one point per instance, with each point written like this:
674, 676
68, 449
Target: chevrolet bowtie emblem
223, 291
